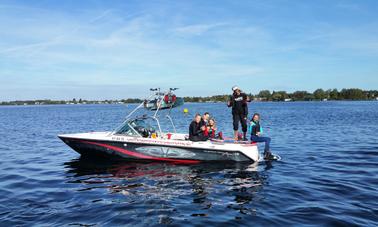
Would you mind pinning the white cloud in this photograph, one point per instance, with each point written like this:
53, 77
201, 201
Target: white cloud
198, 29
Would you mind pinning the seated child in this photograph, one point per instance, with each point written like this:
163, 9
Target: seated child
211, 130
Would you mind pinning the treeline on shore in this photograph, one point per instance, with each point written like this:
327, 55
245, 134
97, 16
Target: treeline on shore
73, 101
317, 95
264, 95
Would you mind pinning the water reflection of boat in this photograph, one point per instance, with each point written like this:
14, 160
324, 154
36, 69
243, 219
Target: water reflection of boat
201, 186
123, 169
142, 138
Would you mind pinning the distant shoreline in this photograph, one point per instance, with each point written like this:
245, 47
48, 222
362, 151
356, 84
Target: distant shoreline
351, 94
212, 102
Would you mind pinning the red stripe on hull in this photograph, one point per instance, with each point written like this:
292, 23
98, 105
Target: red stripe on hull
141, 156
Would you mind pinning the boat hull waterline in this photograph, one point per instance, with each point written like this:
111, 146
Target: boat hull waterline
167, 150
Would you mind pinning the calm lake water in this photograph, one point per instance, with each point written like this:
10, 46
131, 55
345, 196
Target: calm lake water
328, 174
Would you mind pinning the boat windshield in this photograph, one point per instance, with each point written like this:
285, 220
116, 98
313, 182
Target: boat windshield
136, 127
126, 130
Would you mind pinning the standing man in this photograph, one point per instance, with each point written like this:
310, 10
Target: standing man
238, 102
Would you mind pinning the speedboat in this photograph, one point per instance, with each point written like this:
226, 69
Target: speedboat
141, 137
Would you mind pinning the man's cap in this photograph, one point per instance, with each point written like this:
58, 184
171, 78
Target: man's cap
234, 88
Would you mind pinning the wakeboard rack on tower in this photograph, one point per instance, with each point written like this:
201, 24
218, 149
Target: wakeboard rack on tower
163, 100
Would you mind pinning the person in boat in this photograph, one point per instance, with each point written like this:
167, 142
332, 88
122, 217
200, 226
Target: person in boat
204, 121
238, 101
211, 130
205, 118
256, 135
196, 130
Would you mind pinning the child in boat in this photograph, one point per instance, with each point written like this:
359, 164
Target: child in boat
211, 130
256, 135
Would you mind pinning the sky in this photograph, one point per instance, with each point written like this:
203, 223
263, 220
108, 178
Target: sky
119, 49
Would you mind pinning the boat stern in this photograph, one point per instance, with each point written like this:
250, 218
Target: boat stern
251, 151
